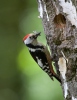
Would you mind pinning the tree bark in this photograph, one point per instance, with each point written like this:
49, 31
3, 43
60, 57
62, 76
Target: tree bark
61, 33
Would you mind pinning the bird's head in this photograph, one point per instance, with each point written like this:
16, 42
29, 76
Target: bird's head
30, 38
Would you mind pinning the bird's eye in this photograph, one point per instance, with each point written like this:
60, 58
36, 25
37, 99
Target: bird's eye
33, 36
30, 37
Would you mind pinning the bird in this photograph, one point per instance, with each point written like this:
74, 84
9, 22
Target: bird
40, 54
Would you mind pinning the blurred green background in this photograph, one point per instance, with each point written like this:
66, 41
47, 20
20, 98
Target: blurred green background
20, 76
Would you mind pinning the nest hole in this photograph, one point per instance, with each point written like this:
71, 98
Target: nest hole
60, 21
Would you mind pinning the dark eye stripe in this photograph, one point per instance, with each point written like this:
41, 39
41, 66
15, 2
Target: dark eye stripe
30, 37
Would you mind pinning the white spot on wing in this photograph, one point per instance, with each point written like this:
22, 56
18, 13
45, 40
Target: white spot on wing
33, 50
45, 70
39, 62
47, 67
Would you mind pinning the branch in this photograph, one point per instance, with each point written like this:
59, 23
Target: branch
59, 19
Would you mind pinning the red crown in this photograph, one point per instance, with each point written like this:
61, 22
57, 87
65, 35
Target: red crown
26, 37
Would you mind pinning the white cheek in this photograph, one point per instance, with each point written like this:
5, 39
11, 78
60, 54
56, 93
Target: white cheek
27, 41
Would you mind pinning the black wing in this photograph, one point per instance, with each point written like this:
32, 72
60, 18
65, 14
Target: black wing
41, 55
33, 55
45, 64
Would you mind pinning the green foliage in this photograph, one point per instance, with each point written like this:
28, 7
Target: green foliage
20, 76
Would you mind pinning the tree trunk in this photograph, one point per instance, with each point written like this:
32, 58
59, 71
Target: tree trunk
60, 26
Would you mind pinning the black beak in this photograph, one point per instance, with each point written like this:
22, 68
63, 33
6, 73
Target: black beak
37, 34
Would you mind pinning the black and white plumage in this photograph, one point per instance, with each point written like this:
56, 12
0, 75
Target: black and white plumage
40, 54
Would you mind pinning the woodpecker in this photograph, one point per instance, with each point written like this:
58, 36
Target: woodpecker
40, 54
